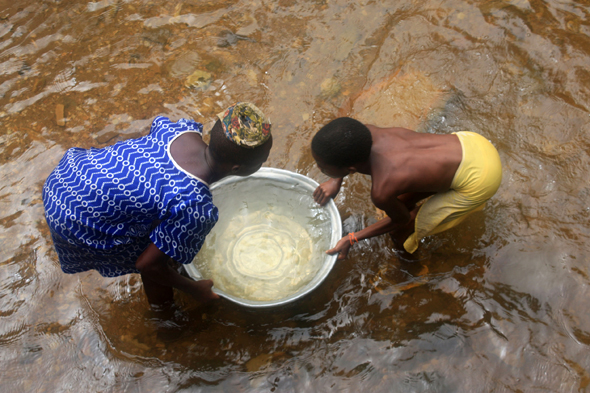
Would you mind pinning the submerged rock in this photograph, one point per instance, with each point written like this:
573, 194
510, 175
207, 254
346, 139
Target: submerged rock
199, 80
184, 65
330, 87
229, 38
157, 37
59, 115
401, 99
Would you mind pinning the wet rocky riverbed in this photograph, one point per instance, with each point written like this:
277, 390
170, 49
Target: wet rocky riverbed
498, 304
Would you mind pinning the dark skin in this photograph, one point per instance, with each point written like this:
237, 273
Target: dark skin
193, 155
405, 167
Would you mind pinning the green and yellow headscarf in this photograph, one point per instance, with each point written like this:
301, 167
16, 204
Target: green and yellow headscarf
245, 125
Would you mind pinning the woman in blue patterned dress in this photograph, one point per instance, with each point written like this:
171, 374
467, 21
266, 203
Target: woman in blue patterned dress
133, 206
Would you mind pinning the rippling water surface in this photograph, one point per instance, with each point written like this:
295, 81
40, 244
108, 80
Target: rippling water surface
499, 304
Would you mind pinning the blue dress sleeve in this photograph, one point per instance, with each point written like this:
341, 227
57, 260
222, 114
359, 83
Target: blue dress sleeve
161, 126
157, 124
182, 233
192, 125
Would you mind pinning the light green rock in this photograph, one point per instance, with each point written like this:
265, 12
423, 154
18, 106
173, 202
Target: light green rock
199, 80
330, 87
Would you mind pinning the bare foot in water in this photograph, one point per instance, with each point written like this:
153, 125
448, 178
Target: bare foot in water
399, 238
201, 290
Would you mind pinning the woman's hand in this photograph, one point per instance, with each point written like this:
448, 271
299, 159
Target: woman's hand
341, 248
327, 190
201, 290
159, 278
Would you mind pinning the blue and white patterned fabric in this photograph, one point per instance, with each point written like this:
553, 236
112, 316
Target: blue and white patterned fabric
102, 205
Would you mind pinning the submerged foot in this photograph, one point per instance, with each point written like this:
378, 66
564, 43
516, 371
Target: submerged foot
403, 255
398, 247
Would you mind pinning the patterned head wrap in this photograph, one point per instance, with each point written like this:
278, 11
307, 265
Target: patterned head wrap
245, 125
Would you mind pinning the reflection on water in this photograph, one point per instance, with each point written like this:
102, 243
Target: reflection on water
496, 304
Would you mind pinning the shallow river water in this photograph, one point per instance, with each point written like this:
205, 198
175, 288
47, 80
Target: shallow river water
498, 304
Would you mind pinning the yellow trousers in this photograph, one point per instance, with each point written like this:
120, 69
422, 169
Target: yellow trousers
477, 179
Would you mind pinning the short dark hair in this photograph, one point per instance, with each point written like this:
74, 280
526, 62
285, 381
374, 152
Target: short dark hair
225, 150
343, 142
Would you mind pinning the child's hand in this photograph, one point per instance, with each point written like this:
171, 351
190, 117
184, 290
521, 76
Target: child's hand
341, 248
327, 190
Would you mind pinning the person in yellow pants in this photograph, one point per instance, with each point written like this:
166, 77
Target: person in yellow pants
456, 174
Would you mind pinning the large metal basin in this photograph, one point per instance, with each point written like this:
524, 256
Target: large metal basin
273, 175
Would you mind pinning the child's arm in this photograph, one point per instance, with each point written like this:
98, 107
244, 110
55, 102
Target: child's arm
327, 190
379, 228
159, 278
394, 208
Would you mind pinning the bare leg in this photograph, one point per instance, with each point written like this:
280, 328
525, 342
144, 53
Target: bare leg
163, 296
399, 236
157, 294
